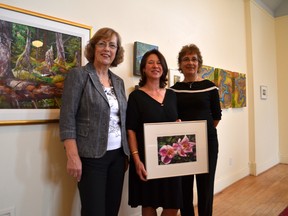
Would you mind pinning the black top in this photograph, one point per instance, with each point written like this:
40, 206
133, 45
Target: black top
198, 101
164, 192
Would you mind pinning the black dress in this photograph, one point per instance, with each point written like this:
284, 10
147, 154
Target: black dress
164, 192
200, 101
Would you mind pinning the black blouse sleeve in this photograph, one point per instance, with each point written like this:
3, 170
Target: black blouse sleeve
132, 113
215, 105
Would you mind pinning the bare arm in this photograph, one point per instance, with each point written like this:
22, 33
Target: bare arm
140, 168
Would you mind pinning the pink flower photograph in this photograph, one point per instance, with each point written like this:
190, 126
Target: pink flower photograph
176, 149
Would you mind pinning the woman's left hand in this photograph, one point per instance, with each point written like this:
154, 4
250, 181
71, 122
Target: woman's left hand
74, 164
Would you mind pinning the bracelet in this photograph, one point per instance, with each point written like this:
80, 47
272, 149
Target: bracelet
134, 152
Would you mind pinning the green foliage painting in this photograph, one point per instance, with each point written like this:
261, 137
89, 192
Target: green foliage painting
33, 65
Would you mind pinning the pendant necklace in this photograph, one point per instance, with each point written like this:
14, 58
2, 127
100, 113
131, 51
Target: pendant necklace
190, 85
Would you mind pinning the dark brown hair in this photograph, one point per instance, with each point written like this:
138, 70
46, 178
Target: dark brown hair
104, 33
190, 49
163, 79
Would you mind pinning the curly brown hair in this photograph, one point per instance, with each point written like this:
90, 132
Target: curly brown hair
190, 49
104, 33
163, 79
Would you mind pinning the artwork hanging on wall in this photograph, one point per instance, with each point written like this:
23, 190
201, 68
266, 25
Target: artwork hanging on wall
38, 51
174, 76
207, 72
139, 50
239, 90
231, 85
223, 79
263, 92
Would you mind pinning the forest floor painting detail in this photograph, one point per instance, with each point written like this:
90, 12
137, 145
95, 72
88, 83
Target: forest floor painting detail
34, 62
37, 51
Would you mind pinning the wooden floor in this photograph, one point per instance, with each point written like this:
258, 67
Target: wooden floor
262, 195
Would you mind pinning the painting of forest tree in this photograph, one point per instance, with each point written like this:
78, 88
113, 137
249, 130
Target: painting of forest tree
33, 65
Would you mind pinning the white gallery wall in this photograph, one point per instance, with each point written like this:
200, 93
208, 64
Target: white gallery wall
236, 35
264, 70
282, 65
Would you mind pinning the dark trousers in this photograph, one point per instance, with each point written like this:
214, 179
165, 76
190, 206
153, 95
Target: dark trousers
101, 184
205, 188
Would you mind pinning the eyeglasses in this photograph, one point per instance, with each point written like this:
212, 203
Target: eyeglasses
186, 59
102, 45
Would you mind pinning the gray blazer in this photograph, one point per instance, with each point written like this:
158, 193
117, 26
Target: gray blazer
85, 111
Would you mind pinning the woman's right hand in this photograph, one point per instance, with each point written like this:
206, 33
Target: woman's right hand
141, 171
140, 168
74, 164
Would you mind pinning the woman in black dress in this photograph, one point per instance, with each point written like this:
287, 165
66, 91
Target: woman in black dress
152, 102
198, 99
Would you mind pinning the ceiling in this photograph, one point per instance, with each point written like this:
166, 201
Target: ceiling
276, 8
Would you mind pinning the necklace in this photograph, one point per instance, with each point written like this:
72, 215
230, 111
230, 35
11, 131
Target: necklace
105, 81
190, 85
192, 82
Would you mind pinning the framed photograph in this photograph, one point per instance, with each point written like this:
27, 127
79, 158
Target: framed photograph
175, 148
263, 92
37, 52
139, 50
174, 76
